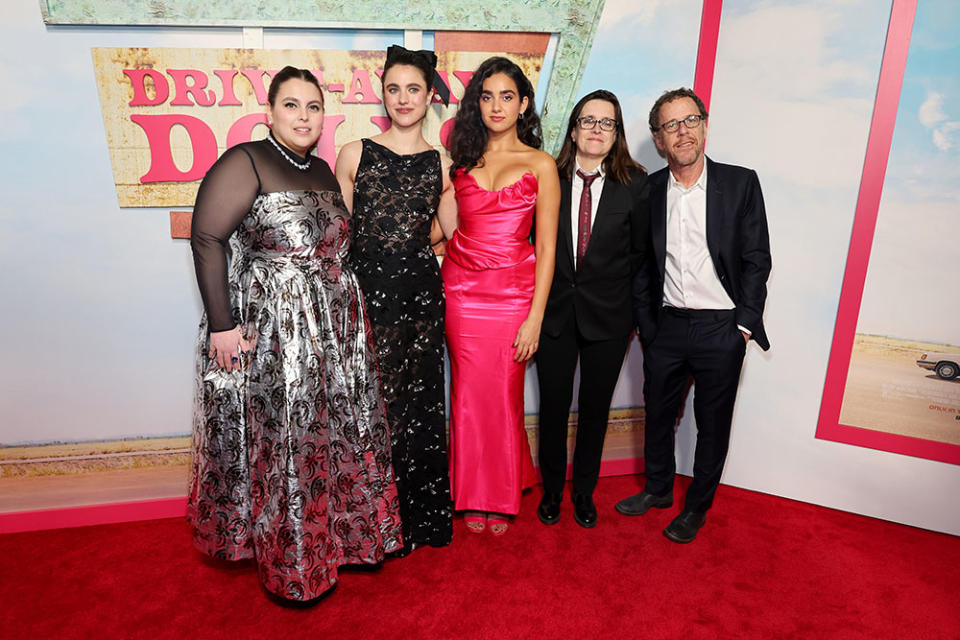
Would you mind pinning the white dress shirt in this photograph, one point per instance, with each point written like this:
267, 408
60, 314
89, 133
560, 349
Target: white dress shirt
690, 278
596, 188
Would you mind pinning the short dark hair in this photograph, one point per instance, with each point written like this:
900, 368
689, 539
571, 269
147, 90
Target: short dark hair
618, 162
289, 73
670, 96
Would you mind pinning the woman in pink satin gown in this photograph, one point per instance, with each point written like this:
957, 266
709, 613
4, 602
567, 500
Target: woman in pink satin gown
496, 286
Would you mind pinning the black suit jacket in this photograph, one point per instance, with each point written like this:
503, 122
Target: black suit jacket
737, 239
597, 294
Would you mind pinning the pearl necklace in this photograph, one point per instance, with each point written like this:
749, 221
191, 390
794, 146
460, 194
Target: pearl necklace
283, 152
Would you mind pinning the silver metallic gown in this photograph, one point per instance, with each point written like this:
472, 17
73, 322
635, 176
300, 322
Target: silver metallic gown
292, 454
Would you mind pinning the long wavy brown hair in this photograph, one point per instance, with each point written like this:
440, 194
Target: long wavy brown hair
618, 163
468, 142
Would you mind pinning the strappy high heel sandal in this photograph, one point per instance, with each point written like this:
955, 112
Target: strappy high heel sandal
498, 524
476, 521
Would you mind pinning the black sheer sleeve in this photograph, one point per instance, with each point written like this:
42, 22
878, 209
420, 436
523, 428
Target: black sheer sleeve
225, 197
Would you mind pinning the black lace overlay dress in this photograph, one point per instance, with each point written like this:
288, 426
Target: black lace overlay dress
395, 200
291, 460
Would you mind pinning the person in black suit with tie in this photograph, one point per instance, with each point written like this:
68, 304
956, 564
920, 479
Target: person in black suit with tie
698, 303
600, 244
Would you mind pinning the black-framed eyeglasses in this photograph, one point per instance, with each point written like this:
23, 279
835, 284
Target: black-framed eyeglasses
589, 122
690, 122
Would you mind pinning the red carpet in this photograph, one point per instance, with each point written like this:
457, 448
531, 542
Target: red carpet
762, 567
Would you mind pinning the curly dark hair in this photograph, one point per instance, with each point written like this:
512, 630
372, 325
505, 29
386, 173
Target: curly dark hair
288, 73
618, 162
468, 141
670, 96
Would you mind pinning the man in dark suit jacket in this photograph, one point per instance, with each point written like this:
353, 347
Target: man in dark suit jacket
601, 238
698, 303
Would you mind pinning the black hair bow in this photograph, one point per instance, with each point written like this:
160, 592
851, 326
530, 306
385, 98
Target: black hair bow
431, 59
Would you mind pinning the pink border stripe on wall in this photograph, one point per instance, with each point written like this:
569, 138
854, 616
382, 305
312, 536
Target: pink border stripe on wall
858, 258
707, 50
93, 514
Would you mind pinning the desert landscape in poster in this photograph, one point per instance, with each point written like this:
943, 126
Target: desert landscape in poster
886, 390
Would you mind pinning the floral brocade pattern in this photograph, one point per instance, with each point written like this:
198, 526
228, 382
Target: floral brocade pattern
395, 200
291, 456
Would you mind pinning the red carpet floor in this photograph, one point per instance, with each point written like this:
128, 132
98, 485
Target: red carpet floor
762, 567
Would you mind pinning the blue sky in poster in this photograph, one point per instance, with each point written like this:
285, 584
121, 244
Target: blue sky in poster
927, 135
911, 288
641, 50
794, 89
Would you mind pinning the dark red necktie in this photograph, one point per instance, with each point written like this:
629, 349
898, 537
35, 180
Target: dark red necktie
583, 232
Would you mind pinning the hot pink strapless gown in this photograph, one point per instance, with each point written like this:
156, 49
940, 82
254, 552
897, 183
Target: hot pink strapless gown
488, 275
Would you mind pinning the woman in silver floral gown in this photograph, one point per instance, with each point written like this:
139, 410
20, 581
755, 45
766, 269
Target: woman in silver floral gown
291, 445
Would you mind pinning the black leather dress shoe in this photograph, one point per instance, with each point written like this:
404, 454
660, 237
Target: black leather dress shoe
584, 511
549, 509
639, 504
684, 527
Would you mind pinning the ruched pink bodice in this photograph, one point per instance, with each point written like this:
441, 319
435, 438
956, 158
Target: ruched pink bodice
493, 227
488, 276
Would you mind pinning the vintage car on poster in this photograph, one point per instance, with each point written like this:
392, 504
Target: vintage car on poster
945, 365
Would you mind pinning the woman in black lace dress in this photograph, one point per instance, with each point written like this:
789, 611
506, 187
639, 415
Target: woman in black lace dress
291, 446
396, 184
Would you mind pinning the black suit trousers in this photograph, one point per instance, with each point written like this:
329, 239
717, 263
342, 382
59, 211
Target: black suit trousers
707, 345
600, 363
